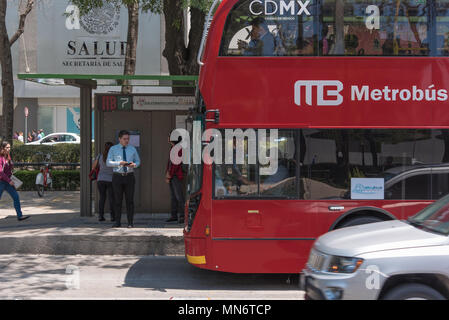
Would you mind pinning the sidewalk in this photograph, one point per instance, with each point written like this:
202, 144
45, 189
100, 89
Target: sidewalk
55, 227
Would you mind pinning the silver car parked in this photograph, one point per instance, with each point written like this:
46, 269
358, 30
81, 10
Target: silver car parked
392, 260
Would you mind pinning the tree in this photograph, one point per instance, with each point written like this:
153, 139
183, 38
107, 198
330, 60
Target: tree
7, 79
134, 7
181, 56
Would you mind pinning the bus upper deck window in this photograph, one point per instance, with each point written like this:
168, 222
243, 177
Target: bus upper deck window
442, 26
376, 27
270, 28
337, 28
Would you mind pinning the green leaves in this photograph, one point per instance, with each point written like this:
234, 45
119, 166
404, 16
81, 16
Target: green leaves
155, 6
62, 153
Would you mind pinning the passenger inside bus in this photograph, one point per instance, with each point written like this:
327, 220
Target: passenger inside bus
262, 42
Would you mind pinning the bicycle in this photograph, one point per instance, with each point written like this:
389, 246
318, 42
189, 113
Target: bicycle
43, 178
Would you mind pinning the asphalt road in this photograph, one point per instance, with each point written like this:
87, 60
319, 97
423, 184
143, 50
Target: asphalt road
131, 277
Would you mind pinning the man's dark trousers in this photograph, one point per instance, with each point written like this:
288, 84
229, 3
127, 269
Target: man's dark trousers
177, 199
123, 184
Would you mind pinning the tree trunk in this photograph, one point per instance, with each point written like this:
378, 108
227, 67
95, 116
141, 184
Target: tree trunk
7, 79
7, 117
180, 57
131, 47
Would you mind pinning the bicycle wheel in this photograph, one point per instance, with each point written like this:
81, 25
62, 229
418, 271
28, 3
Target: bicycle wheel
40, 190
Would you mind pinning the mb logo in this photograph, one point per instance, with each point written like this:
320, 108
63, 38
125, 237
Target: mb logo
327, 92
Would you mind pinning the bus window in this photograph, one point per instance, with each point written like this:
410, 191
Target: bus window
403, 158
270, 28
236, 179
375, 27
250, 180
282, 183
442, 22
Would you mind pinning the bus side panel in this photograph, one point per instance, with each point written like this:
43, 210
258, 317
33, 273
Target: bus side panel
252, 89
261, 256
399, 209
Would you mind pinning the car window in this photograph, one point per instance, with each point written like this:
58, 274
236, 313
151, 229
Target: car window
440, 184
48, 139
415, 187
68, 138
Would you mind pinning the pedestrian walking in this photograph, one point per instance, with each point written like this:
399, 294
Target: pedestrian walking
20, 138
104, 182
123, 158
174, 176
30, 137
6, 184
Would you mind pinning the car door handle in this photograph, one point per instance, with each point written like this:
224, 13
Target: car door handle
336, 208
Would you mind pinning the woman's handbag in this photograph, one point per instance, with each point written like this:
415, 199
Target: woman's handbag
93, 175
17, 182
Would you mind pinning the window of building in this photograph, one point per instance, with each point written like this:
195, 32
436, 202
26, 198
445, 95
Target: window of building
45, 119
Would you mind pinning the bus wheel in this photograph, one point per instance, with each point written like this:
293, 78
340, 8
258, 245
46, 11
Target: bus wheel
358, 221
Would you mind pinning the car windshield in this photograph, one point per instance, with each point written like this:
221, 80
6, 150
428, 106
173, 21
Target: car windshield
435, 217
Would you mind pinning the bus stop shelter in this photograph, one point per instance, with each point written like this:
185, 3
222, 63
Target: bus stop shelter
87, 84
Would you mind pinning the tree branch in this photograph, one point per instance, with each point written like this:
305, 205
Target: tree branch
21, 27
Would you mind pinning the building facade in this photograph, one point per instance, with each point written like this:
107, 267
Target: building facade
58, 41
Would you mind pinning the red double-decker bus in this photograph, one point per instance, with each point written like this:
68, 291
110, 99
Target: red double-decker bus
358, 91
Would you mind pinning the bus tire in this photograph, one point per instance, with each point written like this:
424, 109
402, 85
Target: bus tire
358, 221
413, 291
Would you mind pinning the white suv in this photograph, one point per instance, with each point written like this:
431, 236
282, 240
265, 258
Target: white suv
392, 260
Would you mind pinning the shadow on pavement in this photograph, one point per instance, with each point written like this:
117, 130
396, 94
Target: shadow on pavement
176, 273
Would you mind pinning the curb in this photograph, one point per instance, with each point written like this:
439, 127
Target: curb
93, 245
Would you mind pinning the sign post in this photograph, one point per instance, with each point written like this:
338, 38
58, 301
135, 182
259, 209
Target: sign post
25, 138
